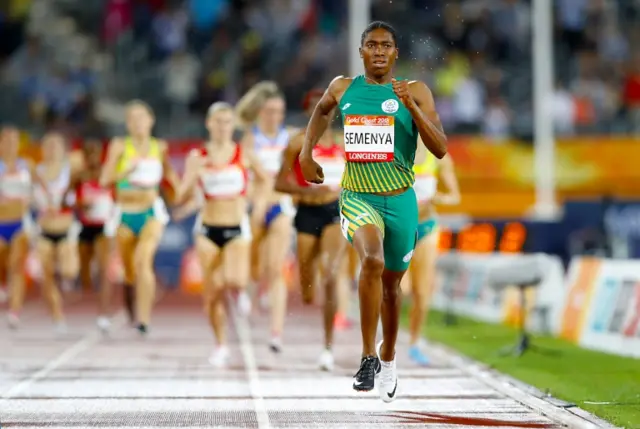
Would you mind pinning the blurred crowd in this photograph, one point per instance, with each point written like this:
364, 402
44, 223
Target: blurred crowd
475, 54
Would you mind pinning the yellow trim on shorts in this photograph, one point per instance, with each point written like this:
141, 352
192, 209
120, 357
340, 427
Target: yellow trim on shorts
353, 209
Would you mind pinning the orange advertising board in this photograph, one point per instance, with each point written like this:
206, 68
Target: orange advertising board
499, 179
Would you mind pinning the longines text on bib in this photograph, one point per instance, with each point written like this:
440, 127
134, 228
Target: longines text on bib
369, 138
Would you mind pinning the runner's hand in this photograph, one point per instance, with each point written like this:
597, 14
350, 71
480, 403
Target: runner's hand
401, 89
311, 170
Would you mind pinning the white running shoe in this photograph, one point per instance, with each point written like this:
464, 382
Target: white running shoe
244, 304
103, 323
388, 378
326, 360
219, 357
275, 344
13, 320
61, 327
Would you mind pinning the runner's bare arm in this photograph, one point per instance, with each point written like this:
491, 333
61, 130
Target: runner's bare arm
284, 180
190, 207
251, 162
108, 175
33, 172
321, 116
185, 188
426, 118
448, 176
168, 172
76, 161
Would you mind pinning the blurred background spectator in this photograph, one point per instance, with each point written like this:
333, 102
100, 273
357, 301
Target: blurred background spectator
73, 63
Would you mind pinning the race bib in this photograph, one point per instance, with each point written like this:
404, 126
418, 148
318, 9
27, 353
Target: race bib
270, 159
101, 208
369, 138
332, 169
425, 187
148, 172
224, 182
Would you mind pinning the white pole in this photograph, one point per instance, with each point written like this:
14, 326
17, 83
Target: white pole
543, 87
359, 17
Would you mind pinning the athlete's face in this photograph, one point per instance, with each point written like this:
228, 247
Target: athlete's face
139, 121
379, 52
53, 147
9, 141
220, 125
93, 154
272, 113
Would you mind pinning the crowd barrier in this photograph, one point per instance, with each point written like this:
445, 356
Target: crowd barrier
595, 305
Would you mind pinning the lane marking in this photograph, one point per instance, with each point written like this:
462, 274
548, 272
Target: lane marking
68, 354
251, 367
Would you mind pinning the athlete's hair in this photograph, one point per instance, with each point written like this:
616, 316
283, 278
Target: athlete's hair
219, 106
375, 25
139, 103
250, 104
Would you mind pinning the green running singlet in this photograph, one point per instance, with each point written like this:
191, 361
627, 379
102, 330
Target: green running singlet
380, 141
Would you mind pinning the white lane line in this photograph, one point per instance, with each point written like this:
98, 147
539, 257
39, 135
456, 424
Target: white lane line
251, 368
65, 356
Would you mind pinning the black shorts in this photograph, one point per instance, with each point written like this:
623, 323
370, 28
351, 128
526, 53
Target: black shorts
54, 238
221, 235
90, 233
312, 219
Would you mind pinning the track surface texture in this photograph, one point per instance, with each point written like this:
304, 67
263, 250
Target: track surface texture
86, 380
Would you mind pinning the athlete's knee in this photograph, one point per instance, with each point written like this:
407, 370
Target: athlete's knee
143, 260
420, 298
372, 264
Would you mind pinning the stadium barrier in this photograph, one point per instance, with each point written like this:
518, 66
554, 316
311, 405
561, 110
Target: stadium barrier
596, 305
602, 305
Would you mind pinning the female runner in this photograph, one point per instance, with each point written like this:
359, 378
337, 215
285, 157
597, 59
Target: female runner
220, 169
56, 246
15, 194
422, 269
319, 239
94, 205
271, 212
137, 165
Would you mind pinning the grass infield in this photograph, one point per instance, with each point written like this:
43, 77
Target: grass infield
603, 384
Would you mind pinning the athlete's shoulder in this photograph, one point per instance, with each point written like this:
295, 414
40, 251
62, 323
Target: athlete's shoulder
339, 84
162, 144
419, 88
118, 142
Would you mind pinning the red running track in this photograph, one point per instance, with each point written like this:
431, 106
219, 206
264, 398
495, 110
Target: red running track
122, 381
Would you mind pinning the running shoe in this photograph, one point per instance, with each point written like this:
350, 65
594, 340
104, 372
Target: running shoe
219, 357
388, 381
275, 345
325, 362
365, 378
13, 319
103, 323
143, 329
61, 327
418, 355
341, 322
